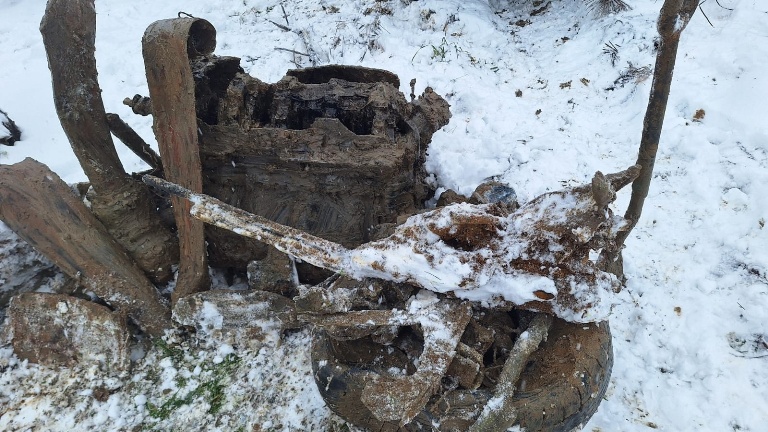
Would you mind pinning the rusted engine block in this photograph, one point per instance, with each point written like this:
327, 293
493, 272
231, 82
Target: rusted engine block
333, 151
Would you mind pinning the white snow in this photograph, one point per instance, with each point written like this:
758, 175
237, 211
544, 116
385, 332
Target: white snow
697, 263
210, 317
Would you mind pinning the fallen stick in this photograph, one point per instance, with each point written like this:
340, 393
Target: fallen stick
280, 26
291, 51
289, 240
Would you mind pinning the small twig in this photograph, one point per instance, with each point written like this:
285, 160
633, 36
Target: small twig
718, 3
185, 14
451, 19
301, 34
312, 54
285, 15
280, 26
417, 51
613, 52
705, 15
750, 357
291, 51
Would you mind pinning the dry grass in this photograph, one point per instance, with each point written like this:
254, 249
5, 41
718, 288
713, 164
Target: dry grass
607, 7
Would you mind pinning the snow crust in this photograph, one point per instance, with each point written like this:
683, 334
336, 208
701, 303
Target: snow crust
416, 254
697, 264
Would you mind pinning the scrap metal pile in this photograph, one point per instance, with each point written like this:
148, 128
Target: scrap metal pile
534, 258
424, 319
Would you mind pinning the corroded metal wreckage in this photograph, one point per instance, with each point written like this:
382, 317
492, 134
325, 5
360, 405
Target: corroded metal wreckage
536, 257
336, 152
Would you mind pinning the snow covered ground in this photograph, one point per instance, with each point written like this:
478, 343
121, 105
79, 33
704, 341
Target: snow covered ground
537, 101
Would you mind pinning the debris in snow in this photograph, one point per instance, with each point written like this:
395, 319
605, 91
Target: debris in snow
471, 251
400, 398
535, 257
499, 413
60, 330
669, 263
632, 74
247, 318
749, 346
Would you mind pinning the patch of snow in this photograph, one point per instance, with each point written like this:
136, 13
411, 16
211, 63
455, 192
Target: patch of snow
210, 317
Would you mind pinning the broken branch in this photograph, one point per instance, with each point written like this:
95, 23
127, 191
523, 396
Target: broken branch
289, 240
291, 51
285, 15
280, 26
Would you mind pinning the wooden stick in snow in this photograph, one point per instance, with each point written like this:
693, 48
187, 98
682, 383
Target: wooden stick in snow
123, 205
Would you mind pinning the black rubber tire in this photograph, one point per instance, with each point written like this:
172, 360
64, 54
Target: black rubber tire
560, 390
